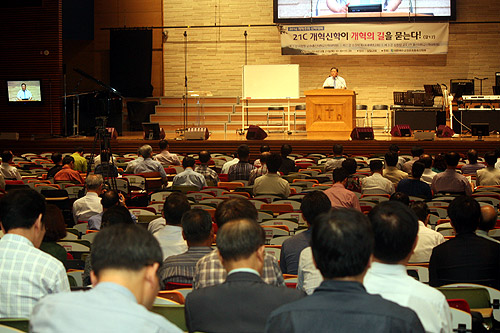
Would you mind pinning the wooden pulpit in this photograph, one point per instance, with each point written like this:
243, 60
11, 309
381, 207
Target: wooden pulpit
330, 111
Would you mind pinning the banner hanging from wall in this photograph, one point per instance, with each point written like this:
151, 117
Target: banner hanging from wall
365, 39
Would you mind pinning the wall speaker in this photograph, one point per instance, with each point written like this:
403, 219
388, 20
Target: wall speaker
401, 130
256, 133
196, 133
362, 133
444, 131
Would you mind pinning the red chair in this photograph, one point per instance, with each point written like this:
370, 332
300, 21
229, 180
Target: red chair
172, 295
175, 285
460, 304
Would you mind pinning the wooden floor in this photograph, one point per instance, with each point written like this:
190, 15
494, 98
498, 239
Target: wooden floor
220, 142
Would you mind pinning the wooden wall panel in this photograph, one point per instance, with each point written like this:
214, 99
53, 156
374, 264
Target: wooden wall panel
31, 44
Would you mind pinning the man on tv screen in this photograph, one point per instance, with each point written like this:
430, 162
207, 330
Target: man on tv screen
24, 94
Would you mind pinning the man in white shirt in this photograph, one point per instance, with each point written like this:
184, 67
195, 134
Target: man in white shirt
168, 229
189, 177
428, 174
228, 164
90, 205
334, 80
395, 228
376, 183
165, 157
26, 273
427, 238
8, 171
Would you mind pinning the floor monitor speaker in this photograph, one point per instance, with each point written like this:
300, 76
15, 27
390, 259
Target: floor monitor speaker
256, 133
362, 133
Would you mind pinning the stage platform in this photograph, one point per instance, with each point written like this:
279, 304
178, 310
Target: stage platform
227, 143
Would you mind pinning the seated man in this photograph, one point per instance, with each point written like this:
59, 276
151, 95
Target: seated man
413, 186
450, 181
313, 204
261, 170
339, 196
167, 229
466, 257
105, 167
416, 151
109, 199
342, 245
68, 173
89, 205
391, 172
473, 166
395, 228
209, 270
8, 171
487, 222
263, 149
189, 176
125, 260
211, 176
353, 183
26, 273
287, 165
489, 175
165, 157
57, 160
148, 164
272, 183
376, 183
337, 159
241, 170
428, 174
198, 232
80, 161
427, 238
243, 302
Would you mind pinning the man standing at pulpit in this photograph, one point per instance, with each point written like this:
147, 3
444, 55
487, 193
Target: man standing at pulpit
334, 80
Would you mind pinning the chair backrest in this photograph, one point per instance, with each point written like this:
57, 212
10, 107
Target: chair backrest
142, 211
278, 208
173, 313
173, 295
494, 296
274, 250
231, 185
278, 240
293, 203
160, 196
14, 325
461, 321
422, 272
274, 222
476, 297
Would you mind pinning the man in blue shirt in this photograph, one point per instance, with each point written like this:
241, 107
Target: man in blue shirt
125, 261
24, 94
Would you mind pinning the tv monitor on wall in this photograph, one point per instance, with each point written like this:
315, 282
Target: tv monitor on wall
24, 91
324, 11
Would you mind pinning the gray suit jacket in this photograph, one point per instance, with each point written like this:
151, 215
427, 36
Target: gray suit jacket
241, 304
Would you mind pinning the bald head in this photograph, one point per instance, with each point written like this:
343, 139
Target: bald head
488, 218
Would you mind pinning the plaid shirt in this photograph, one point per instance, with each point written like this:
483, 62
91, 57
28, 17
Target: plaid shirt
240, 171
26, 275
256, 173
209, 174
210, 272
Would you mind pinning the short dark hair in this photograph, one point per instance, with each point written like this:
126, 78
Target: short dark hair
391, 158
416, 151
490, 158
439, 162
264, 148
464, 213
20, 208
234, 208
188, 162
55, 227
342, 242
417, 169
127, 247
350, 165
401, 197
264, 157
56, 157
176, 204
239, 239
243, 151
163, 144
339, 175
78, 149
204, 156
68, 159
196, 225
6, 156
472, 156
331, 69
452, 159
394, 148
109, 199
286, 150
274, 163
116, 215
395, 227
420, 209
313, 204
338, 149
426, 159
376, 165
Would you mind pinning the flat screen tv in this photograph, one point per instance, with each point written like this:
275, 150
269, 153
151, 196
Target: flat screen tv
24, 91
324, 11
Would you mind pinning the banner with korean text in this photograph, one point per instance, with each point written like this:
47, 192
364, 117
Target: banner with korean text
365, 39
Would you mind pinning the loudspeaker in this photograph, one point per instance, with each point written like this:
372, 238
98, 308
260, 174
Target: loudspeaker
426, 136
401, 130
256, 133
444, 131
196, 133
362, 133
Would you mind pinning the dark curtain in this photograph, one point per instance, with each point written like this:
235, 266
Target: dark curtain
130, 62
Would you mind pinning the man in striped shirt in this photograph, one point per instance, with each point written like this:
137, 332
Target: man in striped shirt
198, 232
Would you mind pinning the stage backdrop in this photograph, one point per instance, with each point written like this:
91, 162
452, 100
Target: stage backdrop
365, 39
